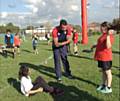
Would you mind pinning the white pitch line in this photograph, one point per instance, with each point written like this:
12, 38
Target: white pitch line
46, 60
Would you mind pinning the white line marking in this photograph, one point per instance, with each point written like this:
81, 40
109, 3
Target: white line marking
46, 60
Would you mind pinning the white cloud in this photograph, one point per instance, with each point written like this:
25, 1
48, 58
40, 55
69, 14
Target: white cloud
29, 6
33, 1
4, 14
109, 5
32, 8
53, 10
21, 17
35, 10
74, 7
44, 3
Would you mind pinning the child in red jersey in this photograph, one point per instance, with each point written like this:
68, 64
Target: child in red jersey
103, 55
17, 42
75, 41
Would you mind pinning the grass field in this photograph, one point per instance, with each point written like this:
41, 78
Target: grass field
84, 68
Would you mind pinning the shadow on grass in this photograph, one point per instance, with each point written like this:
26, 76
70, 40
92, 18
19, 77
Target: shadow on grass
87, 81
87, 51
117, 75
116, 67
72, 93
48, 49
16, 84
49, 71
4, 55
84, 57
116, 52
44, 43
25, 50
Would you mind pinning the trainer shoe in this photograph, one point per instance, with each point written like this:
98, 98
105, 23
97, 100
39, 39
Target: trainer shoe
106, 90
59, 80
100, 87
76, 54
70, 77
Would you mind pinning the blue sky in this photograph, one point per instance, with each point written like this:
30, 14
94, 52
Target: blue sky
39, 11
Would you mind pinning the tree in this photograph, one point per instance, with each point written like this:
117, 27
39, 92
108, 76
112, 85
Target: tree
90, 32
48, 25
78, 28
2, 29
116, 24
10, 26
30, 27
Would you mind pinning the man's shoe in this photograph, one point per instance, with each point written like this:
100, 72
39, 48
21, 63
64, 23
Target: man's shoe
70, 77
59, 80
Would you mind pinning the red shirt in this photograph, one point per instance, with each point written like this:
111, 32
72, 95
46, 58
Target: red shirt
16, 41
102, 53
75, 38
56, 29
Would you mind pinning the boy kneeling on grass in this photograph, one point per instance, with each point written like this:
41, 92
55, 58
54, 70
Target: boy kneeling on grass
39, 85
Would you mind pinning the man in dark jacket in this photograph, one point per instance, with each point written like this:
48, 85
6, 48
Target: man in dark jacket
61, 37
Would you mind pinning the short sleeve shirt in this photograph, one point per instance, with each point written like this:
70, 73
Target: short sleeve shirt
102, 53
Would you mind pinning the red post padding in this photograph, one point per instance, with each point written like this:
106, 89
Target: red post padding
84, 21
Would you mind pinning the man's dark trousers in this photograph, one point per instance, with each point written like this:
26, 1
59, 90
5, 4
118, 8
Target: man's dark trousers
61, 54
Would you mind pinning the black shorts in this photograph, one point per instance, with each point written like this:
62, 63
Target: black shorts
10, 46
105, 65
48, 39
34, 47
17, 46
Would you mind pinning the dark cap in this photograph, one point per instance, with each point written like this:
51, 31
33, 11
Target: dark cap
63, 22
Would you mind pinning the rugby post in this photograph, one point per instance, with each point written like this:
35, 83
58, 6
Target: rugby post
84, 21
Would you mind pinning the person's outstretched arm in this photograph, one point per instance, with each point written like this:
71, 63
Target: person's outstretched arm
35, 91
93, 46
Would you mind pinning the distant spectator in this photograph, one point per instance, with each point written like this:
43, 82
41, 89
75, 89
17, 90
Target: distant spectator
75, 41
35, 43
9, 39
17, 42
47, 36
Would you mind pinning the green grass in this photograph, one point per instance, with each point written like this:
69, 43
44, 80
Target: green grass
83, 67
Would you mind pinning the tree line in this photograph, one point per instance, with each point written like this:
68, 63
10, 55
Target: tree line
115, 24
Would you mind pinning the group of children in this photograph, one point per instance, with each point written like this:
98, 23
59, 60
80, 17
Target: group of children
75, 39
12, 42
103, 55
